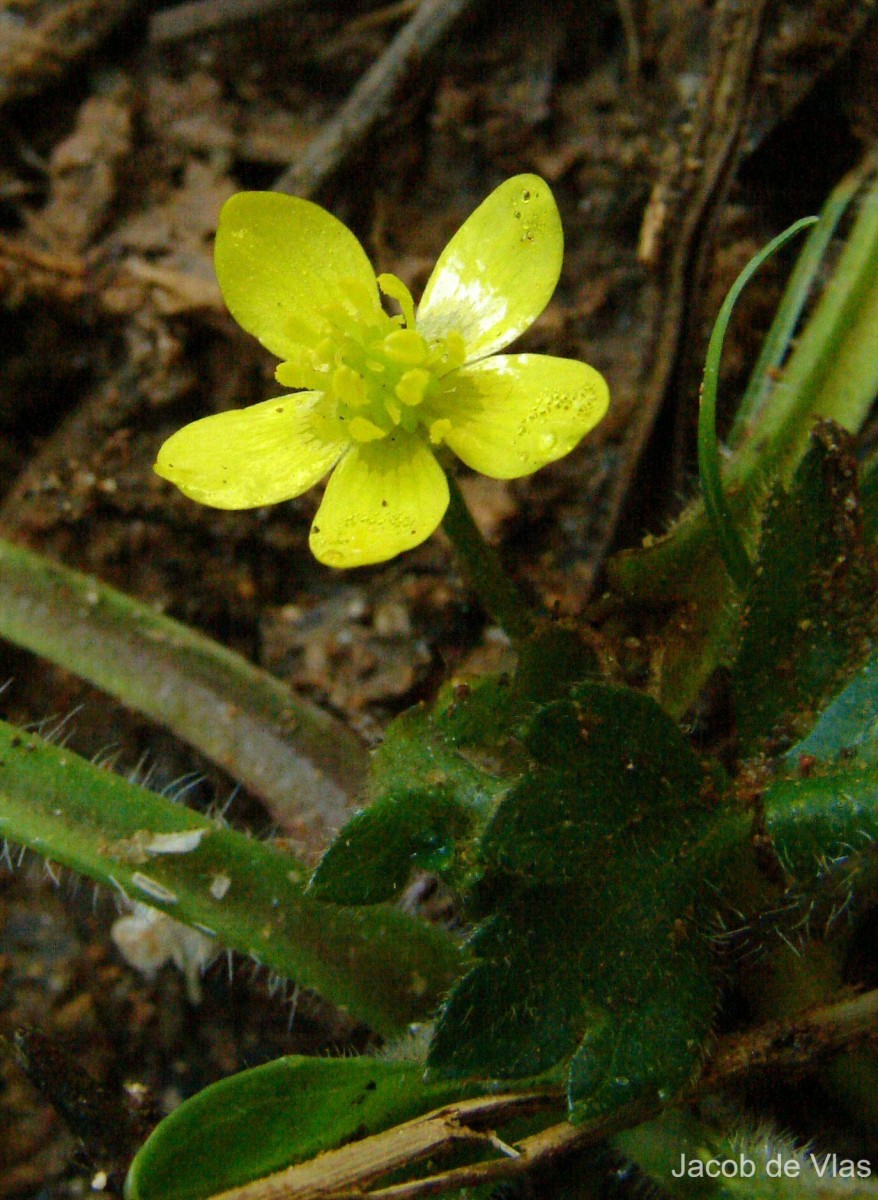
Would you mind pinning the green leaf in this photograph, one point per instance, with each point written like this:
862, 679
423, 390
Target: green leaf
725, 531
551, 661
382, 965
590, 946
432, 786
825, 821
273, 1116
810, 611
607, 763
848, 723
831, 371
285, 749
650, 1046
440, 773
523, 1008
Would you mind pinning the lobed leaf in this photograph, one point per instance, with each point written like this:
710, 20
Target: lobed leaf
590, 948
427, 799
440, 774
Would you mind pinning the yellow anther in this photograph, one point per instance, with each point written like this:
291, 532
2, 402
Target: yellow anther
405, 346
349, 387
439, 430
412, 387
362, 429
300, 371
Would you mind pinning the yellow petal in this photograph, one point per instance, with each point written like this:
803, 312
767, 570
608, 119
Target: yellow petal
254, 456
513, 413
499, 271
383, 497
279, 260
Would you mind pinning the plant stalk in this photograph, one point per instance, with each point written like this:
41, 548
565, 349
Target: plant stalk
483, 570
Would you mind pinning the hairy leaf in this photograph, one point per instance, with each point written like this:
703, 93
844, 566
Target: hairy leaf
849, 723
590, 948
432, 785
810, 612
440, 773
385, 967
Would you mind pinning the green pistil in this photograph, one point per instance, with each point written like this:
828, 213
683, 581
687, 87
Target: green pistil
378, 371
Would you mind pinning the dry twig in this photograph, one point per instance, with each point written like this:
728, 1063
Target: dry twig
371, 98
198, 17
679, 220
345, 1174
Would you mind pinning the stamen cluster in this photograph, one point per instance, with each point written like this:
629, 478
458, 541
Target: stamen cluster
378, 371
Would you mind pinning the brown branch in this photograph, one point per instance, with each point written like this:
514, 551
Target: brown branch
346, 1173
199, 17
679, 219
17, 251
372, 97
794, 1044
381, 16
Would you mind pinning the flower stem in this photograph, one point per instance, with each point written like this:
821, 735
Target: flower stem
483, 570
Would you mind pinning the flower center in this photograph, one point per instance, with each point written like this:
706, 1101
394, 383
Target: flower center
380, 373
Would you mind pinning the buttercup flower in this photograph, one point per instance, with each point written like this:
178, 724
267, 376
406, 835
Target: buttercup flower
381, 394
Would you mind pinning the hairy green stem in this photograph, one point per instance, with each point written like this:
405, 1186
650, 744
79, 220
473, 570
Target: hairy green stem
483, 570
686, 1157
304, 763
387, 968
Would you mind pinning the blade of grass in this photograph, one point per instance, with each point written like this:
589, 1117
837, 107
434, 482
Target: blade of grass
728, 539
779, 336
833, 370
304, 763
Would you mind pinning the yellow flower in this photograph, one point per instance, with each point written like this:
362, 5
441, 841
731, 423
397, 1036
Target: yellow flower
380, 393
